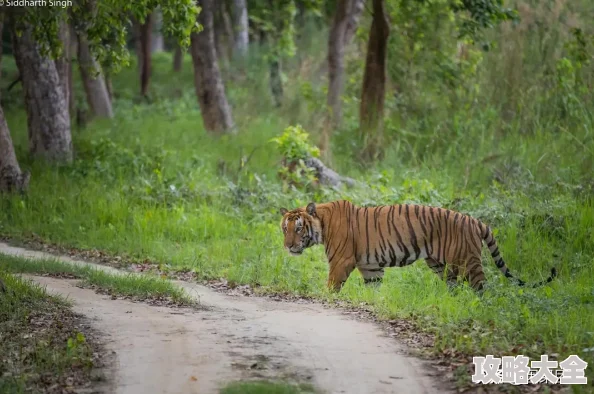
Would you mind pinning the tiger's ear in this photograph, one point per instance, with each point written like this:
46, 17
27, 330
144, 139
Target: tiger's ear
311, 209
283, 211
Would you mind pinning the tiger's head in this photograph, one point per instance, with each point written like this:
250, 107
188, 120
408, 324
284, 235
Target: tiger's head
301, 227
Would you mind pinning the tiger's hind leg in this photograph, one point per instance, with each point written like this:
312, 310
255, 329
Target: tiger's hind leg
451, 277
473, 273
372, 276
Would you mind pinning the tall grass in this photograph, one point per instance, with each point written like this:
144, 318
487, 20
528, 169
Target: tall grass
505, 136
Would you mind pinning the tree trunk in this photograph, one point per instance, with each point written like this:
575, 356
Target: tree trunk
93, 81
223, 32
343, 28
47, 110
109, 87
276, 83
354, 15
178, 57
239, 15
11, 177
145, 53
371, 111
157, 41
1, 34
63, 62
336, 44
216, 113
72, 48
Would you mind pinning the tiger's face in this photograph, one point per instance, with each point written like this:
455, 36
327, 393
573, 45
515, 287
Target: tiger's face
301, 229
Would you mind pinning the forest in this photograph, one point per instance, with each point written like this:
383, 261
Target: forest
147, 148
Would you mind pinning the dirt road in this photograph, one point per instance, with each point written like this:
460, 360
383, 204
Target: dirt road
165, 350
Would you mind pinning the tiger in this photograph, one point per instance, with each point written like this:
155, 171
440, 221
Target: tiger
374, 238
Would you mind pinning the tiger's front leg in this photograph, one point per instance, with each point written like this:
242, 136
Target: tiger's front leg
339, 273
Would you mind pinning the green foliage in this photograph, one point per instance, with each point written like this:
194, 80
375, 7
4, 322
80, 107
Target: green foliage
481, 14
276, 19
293, 144
106, 24
294, 147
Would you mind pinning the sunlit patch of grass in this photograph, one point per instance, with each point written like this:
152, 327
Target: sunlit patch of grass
129, 285
266, 387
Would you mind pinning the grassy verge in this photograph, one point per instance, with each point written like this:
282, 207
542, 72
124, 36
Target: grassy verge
41, 345
137, 287
266, 387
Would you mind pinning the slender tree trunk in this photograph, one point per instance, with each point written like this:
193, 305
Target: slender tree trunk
63, 62
371, 111
354, 15
178, 57
47, 110
93, 81
1, 34
216, 113
223, 33
72, 48
11, 177
336, 44
157, 41
145, 50
343, 28
239, 15
109, 87
276, 83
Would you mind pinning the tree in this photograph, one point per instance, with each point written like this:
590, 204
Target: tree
144, 54
223, 31
178, 57
11, 177
210, 91
344, 25
371, 110
63, 63
48, 119
239, 16
157, 41
275, 22
355, 11
472, 17
96, 89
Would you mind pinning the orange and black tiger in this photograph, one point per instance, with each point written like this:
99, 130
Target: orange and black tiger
373, 238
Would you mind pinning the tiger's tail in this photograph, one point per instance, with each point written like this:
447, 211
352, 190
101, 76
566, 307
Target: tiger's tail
494, 250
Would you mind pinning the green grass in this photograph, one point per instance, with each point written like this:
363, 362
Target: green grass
39, 344
152, 184
265, 387
136, 286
